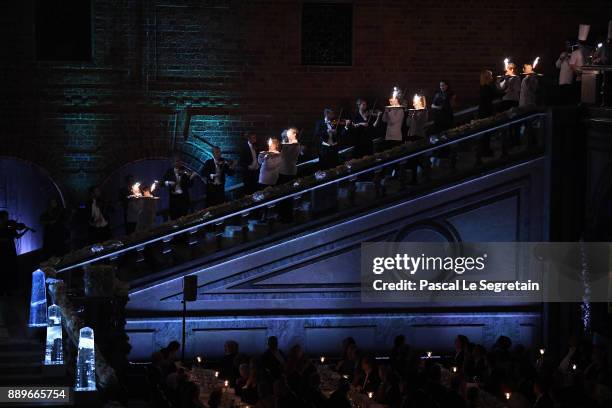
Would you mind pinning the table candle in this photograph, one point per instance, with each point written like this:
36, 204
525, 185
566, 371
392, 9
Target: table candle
507, 395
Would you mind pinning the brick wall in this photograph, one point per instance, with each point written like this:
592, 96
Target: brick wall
169, 75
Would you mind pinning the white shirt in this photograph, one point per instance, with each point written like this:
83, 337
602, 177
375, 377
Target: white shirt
330, 139
98, 219
566, 75
394, 119
177, 185
577, 59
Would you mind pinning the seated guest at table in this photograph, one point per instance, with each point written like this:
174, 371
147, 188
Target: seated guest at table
169, 354
363, 129
283, 396
461, 348
387, 392
476, 365
154, 371
270, 162
249, 164
273, 358
230, 362
398, 358
249, 392
189, 396
244, 373
339, 398
214, 401
214, 172
297, 369
367, 380
313, 395
350, 365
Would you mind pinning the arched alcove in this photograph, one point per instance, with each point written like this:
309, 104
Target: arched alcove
25, 191
145, 171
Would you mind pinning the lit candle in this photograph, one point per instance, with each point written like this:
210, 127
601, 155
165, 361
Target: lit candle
542, 351
199, 359
395, 93
226, 383
216, 374
574, 367
136, 189
269, 143
454, 369
535, 62
322, 359
345, 376
370, 394
429, 354
507, 394
154, 185
506, 62
599, 45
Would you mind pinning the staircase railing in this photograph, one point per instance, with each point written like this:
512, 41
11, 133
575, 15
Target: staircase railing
512, 134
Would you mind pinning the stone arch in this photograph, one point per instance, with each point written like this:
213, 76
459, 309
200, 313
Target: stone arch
25, 191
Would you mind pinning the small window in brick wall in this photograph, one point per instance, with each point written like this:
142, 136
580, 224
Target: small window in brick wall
63, 30
327, 34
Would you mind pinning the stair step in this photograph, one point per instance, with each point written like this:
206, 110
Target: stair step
33, 355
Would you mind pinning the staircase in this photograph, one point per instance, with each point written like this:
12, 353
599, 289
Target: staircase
259, 275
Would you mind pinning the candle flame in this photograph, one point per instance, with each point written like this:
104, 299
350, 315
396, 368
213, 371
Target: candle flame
216, 374
542, 351
506, 62
507, 394
322, 359
599, 45
429, 354
226, 383
154, 185
535, 62
395, 92
574, 367
454, 369
370, 394
269, 142
136, 189
199, 359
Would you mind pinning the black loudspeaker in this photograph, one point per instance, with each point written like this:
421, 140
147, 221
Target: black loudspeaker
190, 288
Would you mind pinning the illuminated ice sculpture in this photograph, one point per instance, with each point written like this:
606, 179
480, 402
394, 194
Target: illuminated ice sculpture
38, 300
54, 353
86, 361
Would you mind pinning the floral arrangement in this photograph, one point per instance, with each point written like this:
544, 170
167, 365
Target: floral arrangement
276, 191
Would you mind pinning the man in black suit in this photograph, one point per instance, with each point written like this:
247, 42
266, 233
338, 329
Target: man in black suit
178, 180
249, 164
328, 132
214, 172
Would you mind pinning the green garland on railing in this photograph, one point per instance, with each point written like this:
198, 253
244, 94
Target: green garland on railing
278, 191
